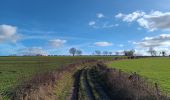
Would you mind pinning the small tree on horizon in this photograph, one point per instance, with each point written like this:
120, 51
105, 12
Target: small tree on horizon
72, 51
129, 53
105, 52
117, 53
97, 52
152, 51
78, 52
163, 53
110, 53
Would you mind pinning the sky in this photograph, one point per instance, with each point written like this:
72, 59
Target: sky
53, 26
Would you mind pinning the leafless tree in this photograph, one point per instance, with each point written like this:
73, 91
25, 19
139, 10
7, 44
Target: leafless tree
105, 52
129, 53
152, 51
117, 53
78, 52
163, 53
97, 52
72, 51
110, 53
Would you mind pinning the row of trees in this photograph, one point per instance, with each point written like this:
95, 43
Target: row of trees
151, 50
98, 52
75, 51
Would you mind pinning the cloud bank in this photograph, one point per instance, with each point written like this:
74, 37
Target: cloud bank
151, 21
162, 40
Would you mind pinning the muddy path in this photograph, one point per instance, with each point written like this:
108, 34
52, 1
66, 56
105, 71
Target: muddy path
89, 86
76, 85
97, 82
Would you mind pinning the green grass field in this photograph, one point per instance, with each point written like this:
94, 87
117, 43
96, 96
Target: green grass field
14, 70
154, 69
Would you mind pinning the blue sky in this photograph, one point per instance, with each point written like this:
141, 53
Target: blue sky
54, 26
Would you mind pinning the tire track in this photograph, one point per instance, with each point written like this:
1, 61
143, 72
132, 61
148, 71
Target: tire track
103, 93
76, 85
88, 88
86, 82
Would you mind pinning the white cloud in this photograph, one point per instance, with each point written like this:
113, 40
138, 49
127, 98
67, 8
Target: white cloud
141, 51
119, 15
91, 23
116, 25
121, 45
32, 51
100, 15
57, 43
163, 40
102, 22
108, 25
155, 20
103, 44
130, 17
105, 25
8, 33
130, 41
151, 21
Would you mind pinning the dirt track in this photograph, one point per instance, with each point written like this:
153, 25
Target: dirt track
89, 86
97, 82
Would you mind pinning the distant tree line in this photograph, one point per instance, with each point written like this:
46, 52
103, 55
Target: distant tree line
153, 52
98, 53
130, 53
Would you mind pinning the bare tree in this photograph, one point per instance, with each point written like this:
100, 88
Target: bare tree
72, 51
110, 53
163, 53
129, 53
117, 53
105, 52
78, 52
152, 51
97, 52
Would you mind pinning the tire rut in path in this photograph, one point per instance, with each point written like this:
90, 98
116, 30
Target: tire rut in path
76, 85
101, 90
94, 79
87, 86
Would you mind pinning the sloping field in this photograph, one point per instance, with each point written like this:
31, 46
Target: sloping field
154, 69
13, 70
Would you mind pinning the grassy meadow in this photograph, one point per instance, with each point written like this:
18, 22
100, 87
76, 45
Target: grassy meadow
14, 70
154, 69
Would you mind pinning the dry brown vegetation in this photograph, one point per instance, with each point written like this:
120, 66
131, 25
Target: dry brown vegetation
42, 86
123, 86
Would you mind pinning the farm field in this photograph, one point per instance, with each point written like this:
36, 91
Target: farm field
154, 69
14, 70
